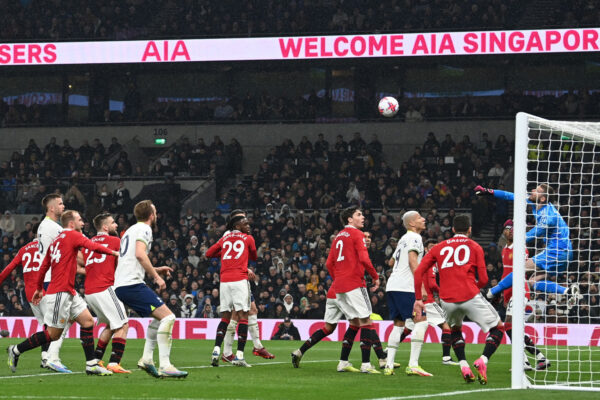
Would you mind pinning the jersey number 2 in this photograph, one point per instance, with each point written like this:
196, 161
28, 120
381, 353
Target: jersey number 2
455, 254
340, 245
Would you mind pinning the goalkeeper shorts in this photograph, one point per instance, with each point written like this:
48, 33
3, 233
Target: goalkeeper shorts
553, 261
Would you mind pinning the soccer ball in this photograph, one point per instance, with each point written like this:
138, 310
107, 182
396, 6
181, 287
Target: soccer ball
388, 106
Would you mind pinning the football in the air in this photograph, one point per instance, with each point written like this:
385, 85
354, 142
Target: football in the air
388, 106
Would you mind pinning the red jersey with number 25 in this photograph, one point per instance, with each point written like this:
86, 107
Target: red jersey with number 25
30, 258
349, 259
457, 259
235, 249
62, 257
100, 268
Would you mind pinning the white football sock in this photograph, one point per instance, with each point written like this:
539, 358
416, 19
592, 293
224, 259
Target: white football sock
163, 338
228, 339
54, 348
254, 331
392, 347
416, 343
150, 340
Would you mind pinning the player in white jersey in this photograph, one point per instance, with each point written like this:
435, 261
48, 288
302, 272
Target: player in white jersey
401, 294
48, 231
130, 288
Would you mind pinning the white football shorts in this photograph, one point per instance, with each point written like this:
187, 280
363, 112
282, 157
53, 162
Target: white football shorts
108, 308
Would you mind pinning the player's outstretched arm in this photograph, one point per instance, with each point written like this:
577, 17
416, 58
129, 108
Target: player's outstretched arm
501, 194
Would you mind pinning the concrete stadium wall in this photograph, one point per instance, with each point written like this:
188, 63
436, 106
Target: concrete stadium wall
399, 139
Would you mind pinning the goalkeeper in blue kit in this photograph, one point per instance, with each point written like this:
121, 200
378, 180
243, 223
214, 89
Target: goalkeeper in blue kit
553, 230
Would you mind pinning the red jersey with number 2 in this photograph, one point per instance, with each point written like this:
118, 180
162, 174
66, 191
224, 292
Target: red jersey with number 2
100, 268
349, 259
235, 249
30, 258
458, 260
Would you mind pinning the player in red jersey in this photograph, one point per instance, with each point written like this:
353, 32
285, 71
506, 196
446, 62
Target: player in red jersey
234, 249
349, 258
459, 260
62, 302
100, 296
507, 264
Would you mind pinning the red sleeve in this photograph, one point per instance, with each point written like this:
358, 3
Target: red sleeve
12, 265
431, 283
330, 264
84, 242
427, 262
481, 270
251, 248
363, 255
43, 269
214, 251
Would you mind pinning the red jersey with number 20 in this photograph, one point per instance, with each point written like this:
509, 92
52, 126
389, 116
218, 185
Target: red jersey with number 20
235, 249
100, 268
457, 259
31, 259
349, 259
62, 257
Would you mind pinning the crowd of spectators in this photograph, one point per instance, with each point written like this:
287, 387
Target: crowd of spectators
293, 203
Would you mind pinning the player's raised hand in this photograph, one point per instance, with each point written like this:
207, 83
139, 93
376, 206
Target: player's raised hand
481, 191
164, 270
37, 297
160, 282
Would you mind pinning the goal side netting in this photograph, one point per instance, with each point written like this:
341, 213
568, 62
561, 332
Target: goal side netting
560, 159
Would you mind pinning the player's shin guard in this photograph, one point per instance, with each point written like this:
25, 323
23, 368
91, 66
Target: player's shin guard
348, 342
314, 339
118, 348
86, 335
163, 339
150, 343
393, 342
376, 342
492, 342
242, 336
221, 330
228, 338
35, 340
416, 343
100, 349
458, 344
446, 342
254, 331
365, 344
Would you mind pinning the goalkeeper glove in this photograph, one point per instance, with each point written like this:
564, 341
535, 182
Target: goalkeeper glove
481, 191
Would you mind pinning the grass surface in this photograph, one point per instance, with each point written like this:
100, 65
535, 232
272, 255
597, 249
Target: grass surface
268, 379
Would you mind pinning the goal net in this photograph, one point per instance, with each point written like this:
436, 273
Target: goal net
562, 317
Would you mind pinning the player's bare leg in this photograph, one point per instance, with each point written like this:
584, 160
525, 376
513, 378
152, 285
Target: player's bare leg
163, 338
254, 331
314, 339
416, 343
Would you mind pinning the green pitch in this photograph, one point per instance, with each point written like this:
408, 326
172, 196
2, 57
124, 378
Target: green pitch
268, 379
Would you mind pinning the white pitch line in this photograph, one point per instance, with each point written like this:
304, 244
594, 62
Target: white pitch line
426, 396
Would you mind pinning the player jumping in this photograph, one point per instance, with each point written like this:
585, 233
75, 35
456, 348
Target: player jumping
62, 302
401, 294
101, 297
234, 249
551, 228
130, 288
459, 259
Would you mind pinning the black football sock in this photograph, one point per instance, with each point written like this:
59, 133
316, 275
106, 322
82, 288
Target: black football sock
242, 330
365, 344
376, 342
458, 344
405, 333
118, 348
492, 342
530, 346
45, 346
100, 349
35, 340
348, 342
314, 339
86, 336
221, 329
446, 342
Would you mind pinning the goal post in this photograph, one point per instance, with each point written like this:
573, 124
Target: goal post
564, 155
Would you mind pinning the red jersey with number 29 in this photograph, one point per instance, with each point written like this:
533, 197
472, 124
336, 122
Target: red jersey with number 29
349, 259
100, 268
457, 259
31, 259
62, 257
235, 249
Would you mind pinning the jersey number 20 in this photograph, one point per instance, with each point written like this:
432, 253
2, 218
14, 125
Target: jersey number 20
460, 255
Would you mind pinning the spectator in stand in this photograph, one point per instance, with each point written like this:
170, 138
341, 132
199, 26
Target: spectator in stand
286, 331
7, 224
